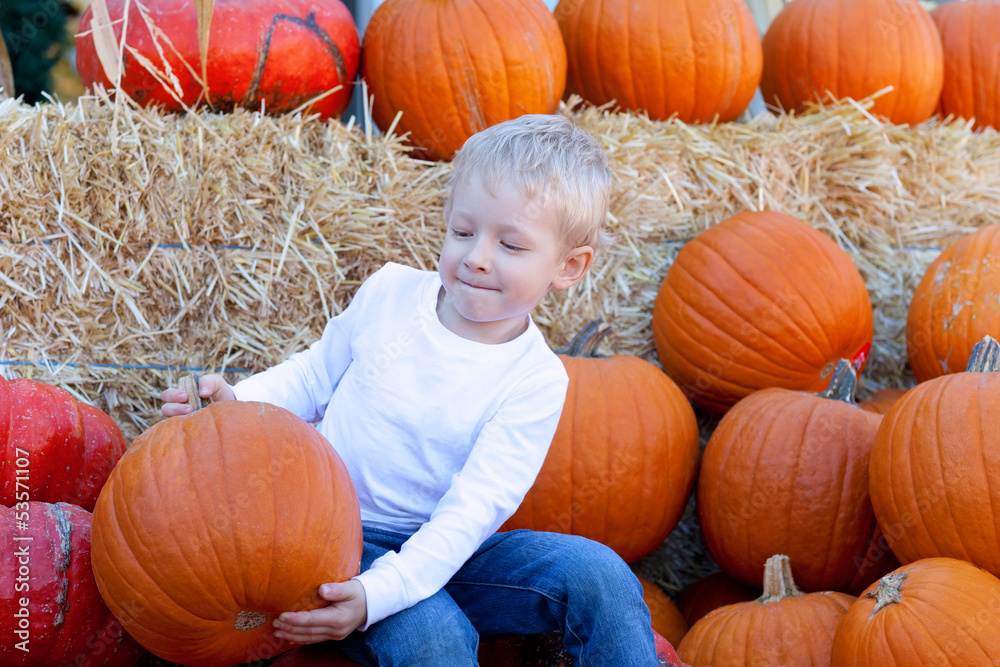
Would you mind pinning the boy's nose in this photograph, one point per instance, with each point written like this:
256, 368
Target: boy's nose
478, 258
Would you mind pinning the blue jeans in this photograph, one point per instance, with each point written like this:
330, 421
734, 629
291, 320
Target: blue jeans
519, 582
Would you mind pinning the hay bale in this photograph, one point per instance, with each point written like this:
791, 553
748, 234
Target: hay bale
137, 246
158, 242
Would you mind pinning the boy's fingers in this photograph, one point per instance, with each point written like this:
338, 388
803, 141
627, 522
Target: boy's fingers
173, 395
175, 409
306, 619
208, 386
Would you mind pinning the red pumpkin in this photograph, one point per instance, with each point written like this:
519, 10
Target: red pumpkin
621, 466
217, 522
698, 59
971, 67
544, 650
956, 303
322, 654
456, 67
51, 607
711, 592
935, 465
787, 472
57, 448
275, 54
935, 611
727, 321
854, 48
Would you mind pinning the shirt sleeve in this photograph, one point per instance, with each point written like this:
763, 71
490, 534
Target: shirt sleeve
502, 466
303, 384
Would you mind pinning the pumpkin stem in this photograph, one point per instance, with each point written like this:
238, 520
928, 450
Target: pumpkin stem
189, 383
887, 592
985, 357
843, 385
585, 343
778, 581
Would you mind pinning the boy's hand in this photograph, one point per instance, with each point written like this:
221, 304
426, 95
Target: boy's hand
210, 386
348, 611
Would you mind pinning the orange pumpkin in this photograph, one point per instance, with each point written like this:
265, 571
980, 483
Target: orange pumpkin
956, 303
877, 562
214, 523
880, 401
711, 592
971, 67
936, 611
854, 48
667, 619
455, 67
782, 627
787, 472
935, 465
698, 59
759, 300
621, 466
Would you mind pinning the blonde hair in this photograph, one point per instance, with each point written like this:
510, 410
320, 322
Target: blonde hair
547, 156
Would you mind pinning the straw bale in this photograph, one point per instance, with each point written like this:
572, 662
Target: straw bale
134, 245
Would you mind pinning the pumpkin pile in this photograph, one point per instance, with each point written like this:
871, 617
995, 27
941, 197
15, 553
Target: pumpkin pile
438, 72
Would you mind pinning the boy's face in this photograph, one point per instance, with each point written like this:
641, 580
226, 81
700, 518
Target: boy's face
503, 253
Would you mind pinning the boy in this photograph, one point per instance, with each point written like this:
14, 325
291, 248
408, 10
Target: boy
441, 396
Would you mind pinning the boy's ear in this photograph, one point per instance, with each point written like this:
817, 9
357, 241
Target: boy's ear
574, 267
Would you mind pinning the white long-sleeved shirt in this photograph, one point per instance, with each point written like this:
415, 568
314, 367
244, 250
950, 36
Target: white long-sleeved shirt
442, 436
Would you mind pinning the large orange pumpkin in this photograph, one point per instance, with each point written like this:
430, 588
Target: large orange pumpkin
455, 67
698, 59
782, 627
759, 300
214, 523
935, 466
621, 466
854, 48
787, 472
270, 54
956, 303
971, 63
936, 611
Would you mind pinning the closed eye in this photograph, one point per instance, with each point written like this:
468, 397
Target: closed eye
460, 234
512, 248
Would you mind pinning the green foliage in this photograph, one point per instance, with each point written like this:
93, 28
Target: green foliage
35, 33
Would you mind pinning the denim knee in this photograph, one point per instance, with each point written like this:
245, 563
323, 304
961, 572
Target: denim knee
432, 633
598, 575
